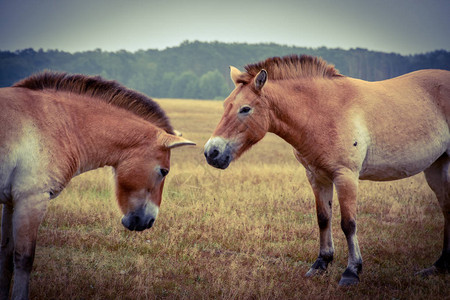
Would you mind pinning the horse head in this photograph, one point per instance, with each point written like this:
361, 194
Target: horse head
140, 180
245, 120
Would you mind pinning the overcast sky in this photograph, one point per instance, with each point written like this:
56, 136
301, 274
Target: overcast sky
402, 26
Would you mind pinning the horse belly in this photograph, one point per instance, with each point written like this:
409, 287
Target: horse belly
396, 161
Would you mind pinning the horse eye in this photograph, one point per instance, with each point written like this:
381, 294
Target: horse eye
245, 109
164, 172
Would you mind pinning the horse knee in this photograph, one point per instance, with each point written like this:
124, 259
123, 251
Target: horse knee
323, 220
348, 226
23, 262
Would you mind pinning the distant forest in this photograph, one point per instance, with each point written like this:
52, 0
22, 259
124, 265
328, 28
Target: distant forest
199, 70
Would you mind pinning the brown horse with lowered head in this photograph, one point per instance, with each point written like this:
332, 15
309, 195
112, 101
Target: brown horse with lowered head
55, 126
342, 129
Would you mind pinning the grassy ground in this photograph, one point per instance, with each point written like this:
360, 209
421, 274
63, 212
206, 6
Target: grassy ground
249, 232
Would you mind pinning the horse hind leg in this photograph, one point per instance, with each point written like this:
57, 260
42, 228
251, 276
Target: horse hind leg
438, 178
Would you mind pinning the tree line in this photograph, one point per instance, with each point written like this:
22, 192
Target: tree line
199, 70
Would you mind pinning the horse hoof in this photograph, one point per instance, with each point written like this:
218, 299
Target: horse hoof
349, 278
428, 272
314, 272
348, 281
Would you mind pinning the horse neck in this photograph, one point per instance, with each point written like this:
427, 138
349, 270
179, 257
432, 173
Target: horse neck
108, 147
103, 136
296, 105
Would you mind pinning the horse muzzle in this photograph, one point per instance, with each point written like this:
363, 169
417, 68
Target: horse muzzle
141, 219
218, 152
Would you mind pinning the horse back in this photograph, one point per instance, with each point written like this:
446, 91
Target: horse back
435, 83
427, 88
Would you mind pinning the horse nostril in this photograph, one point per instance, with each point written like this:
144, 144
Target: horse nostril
214, 154
150, 223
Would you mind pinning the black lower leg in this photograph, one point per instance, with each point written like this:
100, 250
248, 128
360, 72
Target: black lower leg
354, 268
6, 273
322, 261
443, 263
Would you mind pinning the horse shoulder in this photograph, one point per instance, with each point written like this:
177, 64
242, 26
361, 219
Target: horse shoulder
30, 154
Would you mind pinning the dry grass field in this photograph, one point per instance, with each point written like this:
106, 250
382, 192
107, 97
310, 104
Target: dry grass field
249, 232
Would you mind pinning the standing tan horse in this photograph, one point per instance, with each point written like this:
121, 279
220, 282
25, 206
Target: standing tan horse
342, 129
55, 126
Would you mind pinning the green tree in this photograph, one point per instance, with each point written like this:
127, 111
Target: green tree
212, 85
184, 86
165, 84
199, 69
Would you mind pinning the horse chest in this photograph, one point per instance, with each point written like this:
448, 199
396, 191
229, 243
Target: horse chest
314, 164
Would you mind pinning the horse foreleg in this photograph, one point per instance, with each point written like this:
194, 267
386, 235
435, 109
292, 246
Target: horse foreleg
28, 214
6, 252
438, 179
323, 192
346, 183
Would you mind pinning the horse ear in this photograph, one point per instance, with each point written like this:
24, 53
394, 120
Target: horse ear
234, 74
260, 79
172, 141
